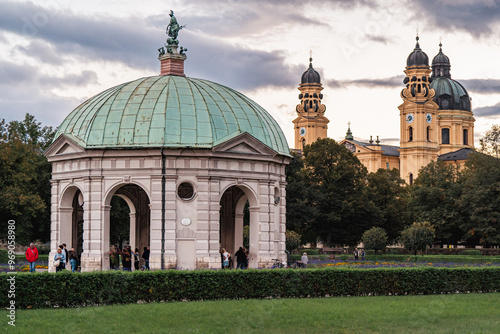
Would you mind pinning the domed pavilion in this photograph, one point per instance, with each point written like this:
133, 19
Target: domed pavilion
186, 155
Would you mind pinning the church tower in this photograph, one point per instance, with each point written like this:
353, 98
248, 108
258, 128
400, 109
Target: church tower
418, 117
311, 124
455, 118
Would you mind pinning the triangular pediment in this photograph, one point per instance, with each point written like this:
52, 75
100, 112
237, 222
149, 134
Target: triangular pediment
63, 145
245, 144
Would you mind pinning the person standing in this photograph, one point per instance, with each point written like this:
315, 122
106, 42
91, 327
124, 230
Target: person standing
356, 254
241, 259
32, 256
136, 258
225, 258
145, 256
73, 258
126, 259
114, 258
62, 259
304, 260
65, 251
363, 254
62, 265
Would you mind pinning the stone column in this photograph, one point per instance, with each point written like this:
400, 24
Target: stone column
202, 224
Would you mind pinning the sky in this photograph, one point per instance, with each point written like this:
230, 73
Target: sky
56, 54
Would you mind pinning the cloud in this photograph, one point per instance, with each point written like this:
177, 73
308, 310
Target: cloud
390, 82
27, 75
237, 66
477, 18
488, 112
482, 86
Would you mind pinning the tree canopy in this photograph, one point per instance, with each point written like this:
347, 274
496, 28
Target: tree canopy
25, 178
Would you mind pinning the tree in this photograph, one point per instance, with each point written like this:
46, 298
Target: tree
25, 178
336, 191
298, 208
375, 238
390, 195
292, 240
418, 236
490, 143
434, 197
479, 202
119, 227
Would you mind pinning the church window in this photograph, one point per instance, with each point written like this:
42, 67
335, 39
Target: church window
387, 165
428, 133
466, 137
445, 136
410, 134
411, 178
303, 143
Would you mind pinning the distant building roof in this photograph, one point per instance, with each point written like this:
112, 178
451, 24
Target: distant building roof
388, 150
461, 154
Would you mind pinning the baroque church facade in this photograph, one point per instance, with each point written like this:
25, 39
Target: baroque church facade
436, 120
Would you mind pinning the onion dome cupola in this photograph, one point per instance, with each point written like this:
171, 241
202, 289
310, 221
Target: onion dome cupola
310, 94
450, 94
417, 57
311, 75
417, 78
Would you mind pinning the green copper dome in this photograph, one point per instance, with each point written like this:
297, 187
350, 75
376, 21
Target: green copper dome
170, 111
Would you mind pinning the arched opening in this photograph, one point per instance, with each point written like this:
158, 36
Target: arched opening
411, 178
303, 143
238, 225
445, 136
428, 133
410, 134
71, 220
128, 221
466, 136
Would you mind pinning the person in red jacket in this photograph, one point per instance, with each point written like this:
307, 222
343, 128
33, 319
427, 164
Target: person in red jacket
32, 256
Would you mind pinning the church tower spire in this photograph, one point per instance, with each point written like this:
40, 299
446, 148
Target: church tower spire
419, 135
311, 124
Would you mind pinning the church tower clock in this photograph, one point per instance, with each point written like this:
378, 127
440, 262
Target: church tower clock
311, 124
418, 117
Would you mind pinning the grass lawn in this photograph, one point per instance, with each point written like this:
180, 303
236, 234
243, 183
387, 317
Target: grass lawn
460, 313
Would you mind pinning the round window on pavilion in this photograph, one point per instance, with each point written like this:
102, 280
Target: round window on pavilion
185, 191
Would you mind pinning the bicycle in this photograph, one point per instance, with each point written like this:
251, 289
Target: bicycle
277, 264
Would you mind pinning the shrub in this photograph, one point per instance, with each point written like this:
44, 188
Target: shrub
309, 251
66, 289
418, 236
292, 240
375, 238
475, 252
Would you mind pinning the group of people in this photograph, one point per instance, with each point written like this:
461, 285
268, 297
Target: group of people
241, 258
127, 255
63, 256
359, 252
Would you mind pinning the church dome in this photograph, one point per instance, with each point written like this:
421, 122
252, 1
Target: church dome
172, 112
311, 75
450, 94
417, 57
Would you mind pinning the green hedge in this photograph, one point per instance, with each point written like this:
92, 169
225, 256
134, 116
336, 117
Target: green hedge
66, 289
297, 257
42, 258
429, 258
